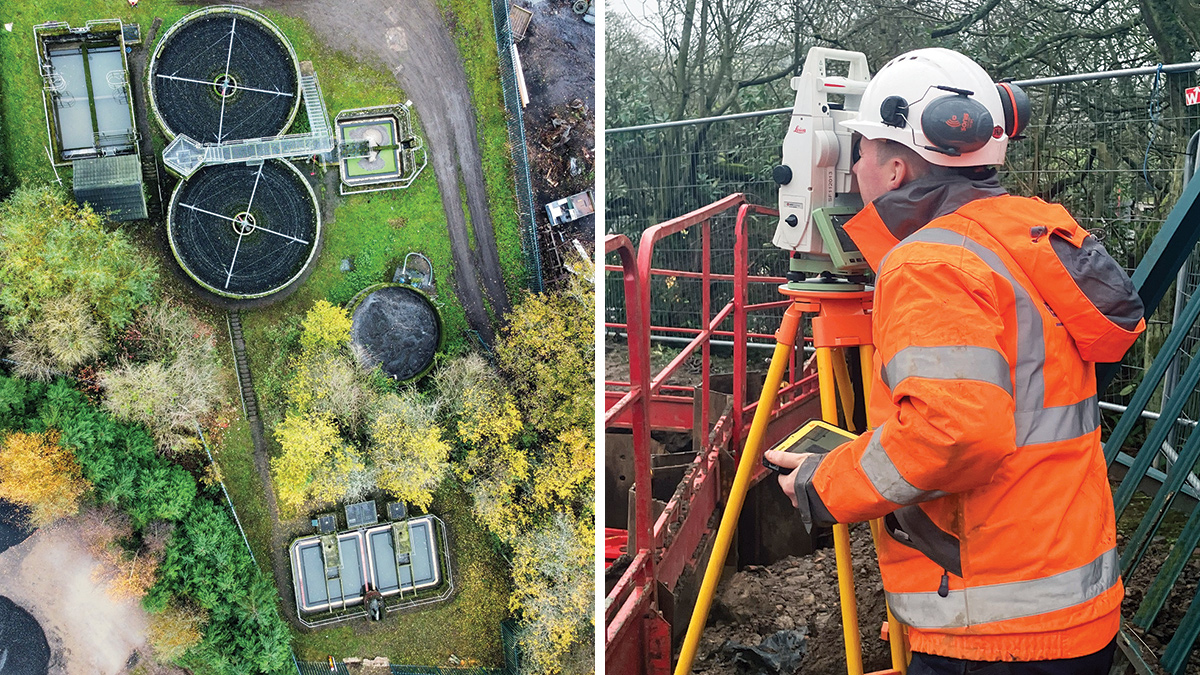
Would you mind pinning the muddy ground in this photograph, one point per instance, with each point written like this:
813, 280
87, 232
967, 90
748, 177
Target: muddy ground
559, 59
797, 595
1180, 598
800, 595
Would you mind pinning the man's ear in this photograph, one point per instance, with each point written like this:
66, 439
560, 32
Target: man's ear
897, 172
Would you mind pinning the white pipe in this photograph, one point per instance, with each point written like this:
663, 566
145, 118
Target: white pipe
520, 71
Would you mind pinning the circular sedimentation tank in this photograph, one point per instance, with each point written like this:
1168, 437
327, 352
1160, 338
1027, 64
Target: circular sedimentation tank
222, 74
244, 231
398, 329
23, 646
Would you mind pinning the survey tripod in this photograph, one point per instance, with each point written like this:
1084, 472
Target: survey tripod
842, 321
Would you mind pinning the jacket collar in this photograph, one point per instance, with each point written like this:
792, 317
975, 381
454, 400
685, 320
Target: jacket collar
897, 214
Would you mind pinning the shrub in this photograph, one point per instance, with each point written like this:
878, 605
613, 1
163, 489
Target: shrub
65, 336
175, 630
171, 394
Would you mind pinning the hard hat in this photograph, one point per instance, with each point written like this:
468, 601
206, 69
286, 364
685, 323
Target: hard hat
944, 106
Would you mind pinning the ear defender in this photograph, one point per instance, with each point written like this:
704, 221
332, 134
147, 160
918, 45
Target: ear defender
956, 124
894, 111
1016, 108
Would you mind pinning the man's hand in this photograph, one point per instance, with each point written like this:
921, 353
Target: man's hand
788, 460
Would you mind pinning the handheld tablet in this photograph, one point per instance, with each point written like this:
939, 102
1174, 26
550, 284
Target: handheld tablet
815, 436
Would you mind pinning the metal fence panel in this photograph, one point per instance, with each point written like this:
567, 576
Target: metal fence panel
516, 139
1110, 150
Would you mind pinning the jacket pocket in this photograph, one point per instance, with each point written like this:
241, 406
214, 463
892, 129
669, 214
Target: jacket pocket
912, 527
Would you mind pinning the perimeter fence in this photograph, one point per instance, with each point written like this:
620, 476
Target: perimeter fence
516, 138
1112, 148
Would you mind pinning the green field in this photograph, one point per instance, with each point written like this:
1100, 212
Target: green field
375, 231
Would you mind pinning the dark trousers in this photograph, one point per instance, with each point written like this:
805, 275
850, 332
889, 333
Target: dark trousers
1093, 664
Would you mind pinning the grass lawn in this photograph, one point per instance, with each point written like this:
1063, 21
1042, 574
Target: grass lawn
475, 34
235, 456
467, 626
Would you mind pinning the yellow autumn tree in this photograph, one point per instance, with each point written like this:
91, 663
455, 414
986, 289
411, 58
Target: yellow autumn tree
552, 590
567, 466
308, 442
39, 473
326, 328
407, 448
486, 420
175, 630
547, 354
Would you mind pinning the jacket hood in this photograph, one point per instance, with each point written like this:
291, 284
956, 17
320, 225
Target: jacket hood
1081, 284
895, 215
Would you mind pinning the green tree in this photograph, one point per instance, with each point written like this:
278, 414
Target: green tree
50, 249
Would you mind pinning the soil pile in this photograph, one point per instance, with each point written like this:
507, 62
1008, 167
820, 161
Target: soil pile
13, 529
767, 606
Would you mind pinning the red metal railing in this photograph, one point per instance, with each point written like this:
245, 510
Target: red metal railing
643, 403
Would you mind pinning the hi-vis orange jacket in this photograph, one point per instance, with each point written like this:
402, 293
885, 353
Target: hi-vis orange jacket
990, 312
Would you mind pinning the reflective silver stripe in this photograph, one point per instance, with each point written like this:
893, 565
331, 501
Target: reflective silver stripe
1035, 423
1058, 423
960, 362
1014, 600
886, 478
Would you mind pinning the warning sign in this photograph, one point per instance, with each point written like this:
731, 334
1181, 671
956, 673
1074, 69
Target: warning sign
1191, 95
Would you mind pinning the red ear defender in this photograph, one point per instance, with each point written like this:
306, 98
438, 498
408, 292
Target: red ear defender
1016, 108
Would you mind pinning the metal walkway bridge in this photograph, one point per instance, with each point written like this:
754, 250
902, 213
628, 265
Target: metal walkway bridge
185, 156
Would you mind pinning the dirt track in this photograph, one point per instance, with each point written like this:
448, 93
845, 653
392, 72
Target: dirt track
412, 42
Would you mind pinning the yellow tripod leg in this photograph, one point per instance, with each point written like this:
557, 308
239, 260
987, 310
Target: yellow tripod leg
841, 532
896, 635
751, 454
845, 388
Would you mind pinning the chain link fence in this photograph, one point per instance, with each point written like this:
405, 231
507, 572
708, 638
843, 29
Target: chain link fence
516, 139
1111, 149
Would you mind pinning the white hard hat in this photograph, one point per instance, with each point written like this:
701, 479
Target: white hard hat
942, 105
